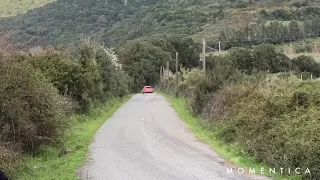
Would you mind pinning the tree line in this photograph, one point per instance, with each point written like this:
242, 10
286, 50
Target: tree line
272, 32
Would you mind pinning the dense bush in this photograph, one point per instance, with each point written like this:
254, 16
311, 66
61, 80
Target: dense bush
32, 112
88, 73
267, 59
58, 67
142, 61
264, 58
114, 81
41, 88
307, 64
275, 120
271, 117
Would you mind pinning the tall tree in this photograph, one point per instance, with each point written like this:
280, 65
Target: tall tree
188, 55
308, 28
142, 61
294, 30
223, 38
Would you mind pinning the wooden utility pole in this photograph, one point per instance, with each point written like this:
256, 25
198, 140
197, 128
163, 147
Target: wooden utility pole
177, 69
167, 69
161, 74
219, 46
204, 55
177, 73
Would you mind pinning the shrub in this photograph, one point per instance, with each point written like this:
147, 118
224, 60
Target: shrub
58, 67
90, 75
275, 120
89, 87
280, 14
263, 12
243, 60
193, 77
32, 112
266, 58
182, 89
114, 81
307, 64
142, 61
242, 5
8, 157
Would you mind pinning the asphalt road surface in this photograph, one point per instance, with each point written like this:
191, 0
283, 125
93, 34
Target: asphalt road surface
146, 140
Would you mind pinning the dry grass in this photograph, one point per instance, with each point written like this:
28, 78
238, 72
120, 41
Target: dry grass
316, 56
15, 7
289, 51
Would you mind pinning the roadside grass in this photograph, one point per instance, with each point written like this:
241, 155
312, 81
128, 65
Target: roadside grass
48, 165
231, 153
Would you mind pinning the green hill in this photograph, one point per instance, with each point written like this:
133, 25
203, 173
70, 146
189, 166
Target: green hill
15, 7
64, 21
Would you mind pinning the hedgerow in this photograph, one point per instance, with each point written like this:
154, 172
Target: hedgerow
40, 89
271, 117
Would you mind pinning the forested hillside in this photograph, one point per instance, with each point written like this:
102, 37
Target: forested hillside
235, 22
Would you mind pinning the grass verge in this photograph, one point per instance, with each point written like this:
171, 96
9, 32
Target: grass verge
231, 153
48, 165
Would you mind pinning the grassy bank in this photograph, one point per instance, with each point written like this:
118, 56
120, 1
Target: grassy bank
231, 153
48, 165
16, 7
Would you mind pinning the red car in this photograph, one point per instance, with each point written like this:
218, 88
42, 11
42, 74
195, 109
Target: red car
147, 89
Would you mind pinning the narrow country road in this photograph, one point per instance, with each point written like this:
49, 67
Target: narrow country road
146, 140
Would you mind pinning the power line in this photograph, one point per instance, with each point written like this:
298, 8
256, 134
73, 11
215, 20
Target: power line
210, 48
244, 41
295, 11
247, 41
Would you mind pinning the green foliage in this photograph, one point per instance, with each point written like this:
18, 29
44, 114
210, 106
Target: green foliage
58, 67
307, 64
115, 82
32, 112
112, 20
116, 23
280, 14
262, 58
243, 60
187, 52
270, 118
38, 91
294, 30
89, 88
193, 77
188, 56
89, 75
267, 59
266, 115
48, 164
142, 61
